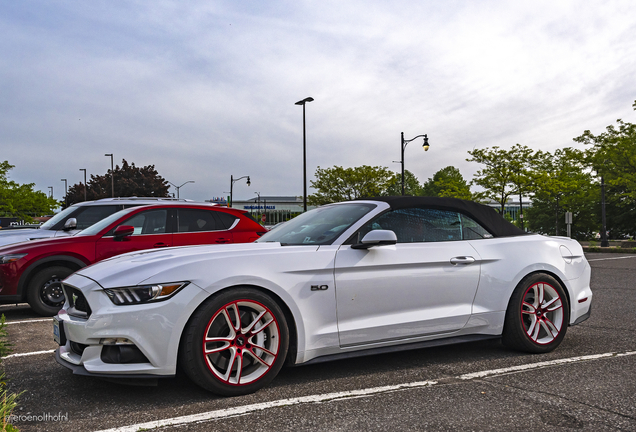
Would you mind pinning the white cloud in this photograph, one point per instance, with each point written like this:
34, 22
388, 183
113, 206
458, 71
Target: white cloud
205, 90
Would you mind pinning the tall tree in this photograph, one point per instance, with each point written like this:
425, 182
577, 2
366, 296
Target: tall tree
342, 184
129, 181
612, 156
506, 174
412, 185
21, 200
521, 158
562, 182
447, 182
497, 177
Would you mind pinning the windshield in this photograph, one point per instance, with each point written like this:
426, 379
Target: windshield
97, 227
320, 226
58, 217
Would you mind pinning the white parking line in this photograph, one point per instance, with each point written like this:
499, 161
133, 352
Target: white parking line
613, 258
29, 321
246, 409
28, 354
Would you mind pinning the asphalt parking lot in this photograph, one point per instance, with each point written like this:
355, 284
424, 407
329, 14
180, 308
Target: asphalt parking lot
588, 383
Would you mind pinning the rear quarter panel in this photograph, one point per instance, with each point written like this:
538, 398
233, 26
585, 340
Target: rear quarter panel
506, 261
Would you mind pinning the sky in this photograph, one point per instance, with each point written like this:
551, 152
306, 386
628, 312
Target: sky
206, 90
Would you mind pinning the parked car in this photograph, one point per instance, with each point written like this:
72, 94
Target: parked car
76, 217
32, 271
339, 281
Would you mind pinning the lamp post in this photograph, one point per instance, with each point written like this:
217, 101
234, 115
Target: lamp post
403, 144
65, 192
303, 102
232, 181
259, 203
84, 169
604, 240
112, 174
179, 187
51, 191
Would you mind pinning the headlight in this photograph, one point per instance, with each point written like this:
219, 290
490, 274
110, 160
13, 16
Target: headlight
143, 293
5, 259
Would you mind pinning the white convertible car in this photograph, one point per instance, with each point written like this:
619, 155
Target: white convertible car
343, 280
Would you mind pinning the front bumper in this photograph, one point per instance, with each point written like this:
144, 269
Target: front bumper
151, 331
80, 370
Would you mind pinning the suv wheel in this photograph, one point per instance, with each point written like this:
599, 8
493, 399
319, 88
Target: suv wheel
44, 293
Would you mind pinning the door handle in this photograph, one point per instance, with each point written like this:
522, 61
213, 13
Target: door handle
463, 260
222, 240
160, 244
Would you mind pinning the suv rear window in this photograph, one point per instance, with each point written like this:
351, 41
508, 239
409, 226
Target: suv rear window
227, 219
193, 220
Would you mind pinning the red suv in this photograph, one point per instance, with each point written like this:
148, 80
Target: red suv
33, 270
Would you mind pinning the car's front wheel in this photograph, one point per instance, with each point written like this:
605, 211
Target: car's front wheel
235, 343
44, 292
538, 315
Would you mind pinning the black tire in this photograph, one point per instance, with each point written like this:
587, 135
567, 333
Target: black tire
538, 315
259, 355
44, 292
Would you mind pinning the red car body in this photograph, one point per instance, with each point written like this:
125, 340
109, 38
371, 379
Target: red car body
32, 270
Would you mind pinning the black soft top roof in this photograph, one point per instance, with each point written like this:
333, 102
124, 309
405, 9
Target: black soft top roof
487, 216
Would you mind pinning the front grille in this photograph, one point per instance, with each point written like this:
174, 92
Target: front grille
78, 306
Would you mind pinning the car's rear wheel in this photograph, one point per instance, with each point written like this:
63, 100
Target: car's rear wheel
44, 292
537, 316
235, 343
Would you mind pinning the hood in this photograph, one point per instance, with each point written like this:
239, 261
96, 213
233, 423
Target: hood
15, 231
11, 244
173, 264
22, 235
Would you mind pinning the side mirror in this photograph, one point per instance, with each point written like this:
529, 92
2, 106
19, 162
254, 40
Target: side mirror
376, 238
123, 231
70, 224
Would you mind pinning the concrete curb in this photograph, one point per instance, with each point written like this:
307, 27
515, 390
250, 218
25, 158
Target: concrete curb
597, 249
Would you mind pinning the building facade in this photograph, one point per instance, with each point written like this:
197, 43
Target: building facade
269, 210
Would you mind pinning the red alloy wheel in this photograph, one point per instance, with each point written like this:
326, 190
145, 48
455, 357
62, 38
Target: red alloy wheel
241, 342
542, 313
538, 315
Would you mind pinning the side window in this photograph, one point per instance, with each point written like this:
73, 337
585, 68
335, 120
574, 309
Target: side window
471, 230
413, 225
148, 222
194, 220
93, 214
226, 218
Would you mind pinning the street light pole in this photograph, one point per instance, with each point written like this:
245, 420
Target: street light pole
604, 240
403, 144
303, 102
179, 187
259, 203
65, 192
51, 187
84, 169
112, 174
232, 181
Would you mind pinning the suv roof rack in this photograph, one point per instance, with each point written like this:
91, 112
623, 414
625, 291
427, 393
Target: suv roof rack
146, 199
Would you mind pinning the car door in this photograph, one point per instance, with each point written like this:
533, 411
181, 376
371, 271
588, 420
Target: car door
423, 285
200, 226
151, 231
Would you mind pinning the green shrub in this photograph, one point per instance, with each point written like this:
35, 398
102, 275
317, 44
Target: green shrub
8, 401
